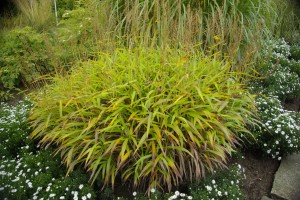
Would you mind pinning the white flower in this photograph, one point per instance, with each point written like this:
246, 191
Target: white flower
134, 194
83, 198
182, 194
52, 195
209, 188
213, 182
62, 197
152, 190
89, 195
14, 190
220, 193
80, 186
177, 193
279, 158
190, 197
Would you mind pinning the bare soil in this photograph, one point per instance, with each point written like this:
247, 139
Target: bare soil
260, 172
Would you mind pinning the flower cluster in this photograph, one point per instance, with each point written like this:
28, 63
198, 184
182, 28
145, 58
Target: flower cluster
278, 49
281, 71
279, 132
221, 185
26, 172
179, 195
283, 83
13, 128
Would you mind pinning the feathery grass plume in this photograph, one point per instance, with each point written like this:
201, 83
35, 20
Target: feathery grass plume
35, 12
235, 28
154, 119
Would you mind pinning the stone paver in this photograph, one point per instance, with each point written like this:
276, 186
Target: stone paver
287, 179
265, 198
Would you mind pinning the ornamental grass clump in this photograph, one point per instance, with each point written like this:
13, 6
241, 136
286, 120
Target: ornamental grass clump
155, 118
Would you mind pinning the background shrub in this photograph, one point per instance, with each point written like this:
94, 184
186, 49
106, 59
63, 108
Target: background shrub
24, 57
154, 118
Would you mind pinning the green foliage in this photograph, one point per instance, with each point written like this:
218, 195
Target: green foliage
155, 118
27, 172
5, 95
24, 57
295, 52
221, 185
279, 132
64, 5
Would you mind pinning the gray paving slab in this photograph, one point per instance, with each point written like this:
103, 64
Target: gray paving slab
287, 179
265, 198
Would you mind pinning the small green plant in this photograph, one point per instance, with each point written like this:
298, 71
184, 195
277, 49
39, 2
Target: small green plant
279, 132
223, 184
153, 118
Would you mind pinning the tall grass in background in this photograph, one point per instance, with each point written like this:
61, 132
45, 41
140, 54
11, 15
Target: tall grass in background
35, 13
288, 25
234, 28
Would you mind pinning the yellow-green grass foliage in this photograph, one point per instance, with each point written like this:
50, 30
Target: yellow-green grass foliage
154, 118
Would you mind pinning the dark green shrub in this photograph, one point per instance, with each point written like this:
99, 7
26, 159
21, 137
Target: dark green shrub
294, 66
155, 119
63, 5
295, 52
24, 57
